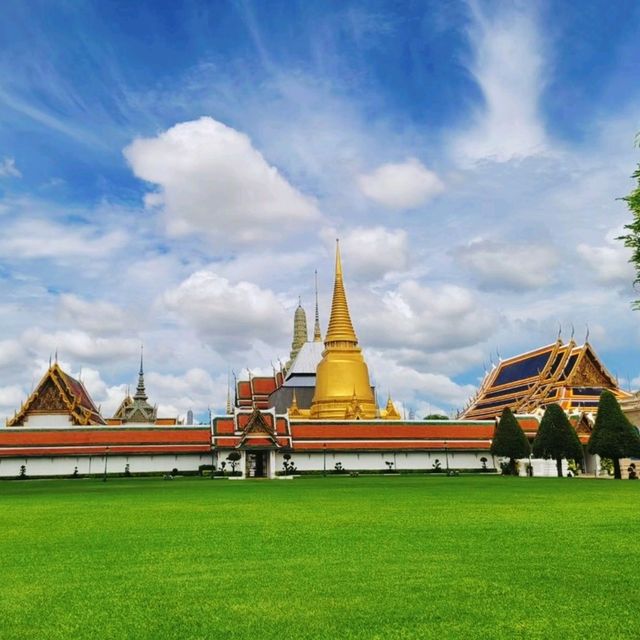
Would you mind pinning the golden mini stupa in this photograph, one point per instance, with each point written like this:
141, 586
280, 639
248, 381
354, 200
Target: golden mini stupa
343, 389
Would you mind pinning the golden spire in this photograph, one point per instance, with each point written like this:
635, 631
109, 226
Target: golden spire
294, 410
342, 377
317, 334
390, 412
340, 328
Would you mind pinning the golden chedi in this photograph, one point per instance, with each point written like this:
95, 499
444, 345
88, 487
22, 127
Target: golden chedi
342, 388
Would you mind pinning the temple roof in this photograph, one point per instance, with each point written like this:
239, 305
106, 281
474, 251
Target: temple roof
305, 364
137, 409
567, 374
59, 393
254, 393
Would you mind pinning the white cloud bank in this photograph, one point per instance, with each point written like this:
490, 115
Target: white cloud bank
510, 266
212, 180
372, 252
229, 315
404, 185
508, 66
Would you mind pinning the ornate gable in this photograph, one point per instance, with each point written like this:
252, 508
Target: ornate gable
49, 399
588, 373
258, 432
58, 393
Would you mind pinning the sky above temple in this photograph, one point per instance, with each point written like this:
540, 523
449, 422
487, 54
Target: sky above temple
173, 173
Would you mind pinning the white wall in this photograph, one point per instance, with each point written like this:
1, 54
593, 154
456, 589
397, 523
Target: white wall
64, 466
374, 461
48, 420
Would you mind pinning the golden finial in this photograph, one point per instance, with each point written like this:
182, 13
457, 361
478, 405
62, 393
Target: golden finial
340, 327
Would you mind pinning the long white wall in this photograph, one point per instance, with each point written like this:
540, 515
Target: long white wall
375, 461
317, 461
65, 465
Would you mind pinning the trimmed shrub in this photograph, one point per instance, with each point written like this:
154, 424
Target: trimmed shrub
556, 438
510, 442
613, 435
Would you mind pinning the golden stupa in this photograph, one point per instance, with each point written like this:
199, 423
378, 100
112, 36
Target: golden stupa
343, 389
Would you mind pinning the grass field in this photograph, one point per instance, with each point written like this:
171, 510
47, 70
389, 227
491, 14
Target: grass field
379, 557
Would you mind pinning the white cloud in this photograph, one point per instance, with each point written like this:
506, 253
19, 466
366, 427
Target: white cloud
212, 180
94, 316
370, 253
80, 345
11, 397
431, 319
407, 383
11, 354
8, 168
194, 389
42, 238
404, 185
508, 65
497, 265
609, 262
230, 316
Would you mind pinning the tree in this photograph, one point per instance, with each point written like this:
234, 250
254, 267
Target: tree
509, 440
556, 438
632, 239
233, 458
436, 416
613, 435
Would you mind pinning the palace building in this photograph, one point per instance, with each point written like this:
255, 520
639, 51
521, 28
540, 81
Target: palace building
319, 413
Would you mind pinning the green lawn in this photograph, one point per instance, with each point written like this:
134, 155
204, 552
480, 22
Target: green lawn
379, 557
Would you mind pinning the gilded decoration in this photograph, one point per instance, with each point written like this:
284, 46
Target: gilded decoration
49, 400
587, 375
58, 393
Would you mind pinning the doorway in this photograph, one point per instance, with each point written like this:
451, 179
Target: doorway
257, 464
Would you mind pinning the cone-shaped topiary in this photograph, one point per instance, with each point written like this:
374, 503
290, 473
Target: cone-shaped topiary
509, 440
556, 438
613, 435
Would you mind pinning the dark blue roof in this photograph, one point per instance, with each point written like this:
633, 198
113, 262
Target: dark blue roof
523, 369
508, 391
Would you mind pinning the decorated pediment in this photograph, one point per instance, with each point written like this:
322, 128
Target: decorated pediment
49, 399
59, 393
258, 431
588, 374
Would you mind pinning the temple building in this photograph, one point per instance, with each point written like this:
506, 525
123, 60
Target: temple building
59, 400
568, 374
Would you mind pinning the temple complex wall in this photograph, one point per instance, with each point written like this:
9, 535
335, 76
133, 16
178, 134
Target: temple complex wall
65, 465
377, 461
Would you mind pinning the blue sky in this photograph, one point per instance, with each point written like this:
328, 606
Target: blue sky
173, 173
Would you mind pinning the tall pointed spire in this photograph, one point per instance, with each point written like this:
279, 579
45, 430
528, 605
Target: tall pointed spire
141, 394
342, 388
300, 334
317, 333
340, 328
229, 407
